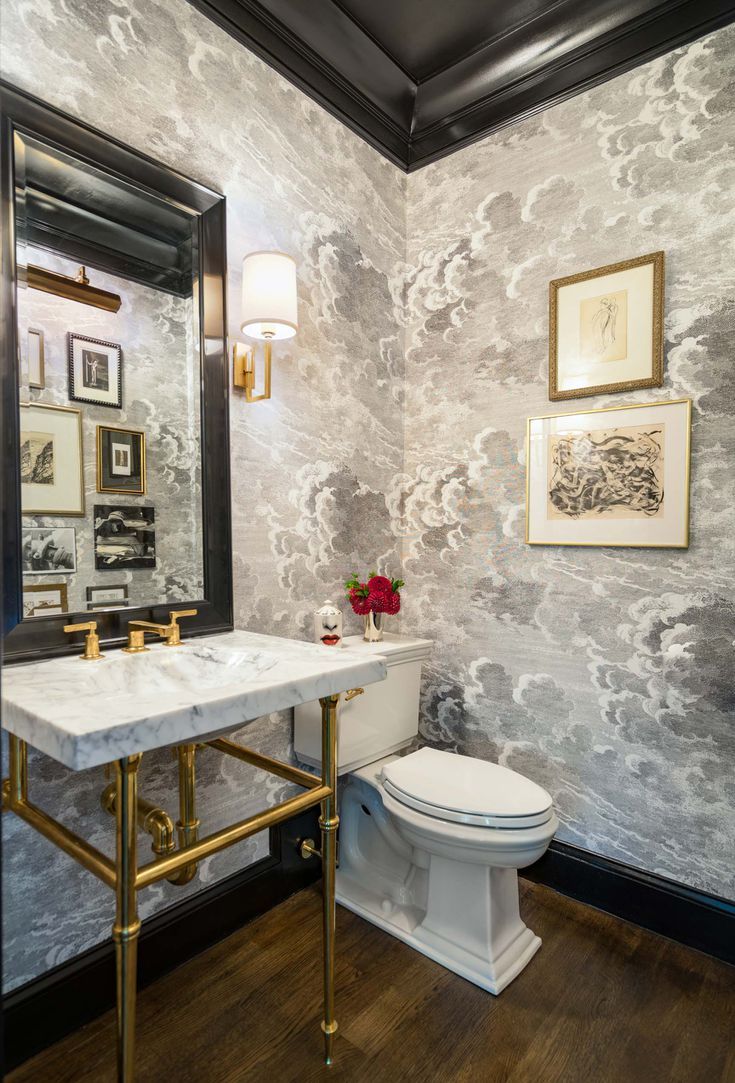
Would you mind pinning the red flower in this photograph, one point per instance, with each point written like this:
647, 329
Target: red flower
380, 585
388, 603
361, 603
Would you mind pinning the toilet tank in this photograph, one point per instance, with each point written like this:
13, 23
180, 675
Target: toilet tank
383, 719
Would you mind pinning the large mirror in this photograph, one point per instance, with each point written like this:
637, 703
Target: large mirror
113, 289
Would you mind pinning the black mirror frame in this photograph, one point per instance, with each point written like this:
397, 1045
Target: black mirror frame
44, 637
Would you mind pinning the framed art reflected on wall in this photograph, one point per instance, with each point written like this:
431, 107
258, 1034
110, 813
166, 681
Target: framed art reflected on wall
606, 329
120, 461
95, 371
44, 599
51, 460
124, 537
105, 597
35, 358
48, 550
617, 477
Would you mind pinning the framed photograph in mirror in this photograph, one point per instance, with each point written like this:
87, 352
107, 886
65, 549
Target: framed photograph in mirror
606, 329
120, 461
613, 477
124, 537
35, 358
103, 597
95, 371
44, 599
48, 550
51, 460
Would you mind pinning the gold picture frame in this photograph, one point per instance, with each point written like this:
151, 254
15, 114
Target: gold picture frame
608, 338
639, 526
43, 489
136, 466
45, 591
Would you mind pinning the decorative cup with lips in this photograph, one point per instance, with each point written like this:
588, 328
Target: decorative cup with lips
328, 625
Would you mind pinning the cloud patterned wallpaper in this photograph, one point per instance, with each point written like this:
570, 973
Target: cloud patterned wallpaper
395, 434
311, 467
604, 674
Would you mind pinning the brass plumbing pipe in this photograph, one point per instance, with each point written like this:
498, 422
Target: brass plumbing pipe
187, 825
228, 836
155, 821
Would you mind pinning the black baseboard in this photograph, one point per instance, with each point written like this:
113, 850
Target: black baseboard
46, 1009
694, 918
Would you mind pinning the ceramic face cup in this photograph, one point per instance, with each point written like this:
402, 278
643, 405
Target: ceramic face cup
328, 625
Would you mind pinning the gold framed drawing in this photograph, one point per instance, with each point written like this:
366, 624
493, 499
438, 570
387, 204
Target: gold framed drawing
612, 477
51, 460
606, 329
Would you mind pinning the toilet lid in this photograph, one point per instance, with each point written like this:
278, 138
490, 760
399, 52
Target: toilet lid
465, 790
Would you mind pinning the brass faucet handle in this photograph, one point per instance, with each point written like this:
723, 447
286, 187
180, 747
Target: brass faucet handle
91, 640
174, 637
352, 692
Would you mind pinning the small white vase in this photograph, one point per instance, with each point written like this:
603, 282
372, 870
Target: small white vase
373, 627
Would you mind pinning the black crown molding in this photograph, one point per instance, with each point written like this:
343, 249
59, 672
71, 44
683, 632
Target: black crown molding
568, 48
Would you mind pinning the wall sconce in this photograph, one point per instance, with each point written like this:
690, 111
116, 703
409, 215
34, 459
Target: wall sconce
269, 312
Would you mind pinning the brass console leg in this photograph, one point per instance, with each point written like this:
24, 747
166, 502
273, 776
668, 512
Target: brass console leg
127, 924
18, 765
328, 822
187, 825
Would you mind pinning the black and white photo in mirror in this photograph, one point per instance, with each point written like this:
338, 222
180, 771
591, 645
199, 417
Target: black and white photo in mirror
95, 371
124, 537
49, 550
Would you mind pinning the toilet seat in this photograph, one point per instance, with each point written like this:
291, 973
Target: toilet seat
462, 789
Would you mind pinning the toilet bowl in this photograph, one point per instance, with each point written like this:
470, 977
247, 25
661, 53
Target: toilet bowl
431, 841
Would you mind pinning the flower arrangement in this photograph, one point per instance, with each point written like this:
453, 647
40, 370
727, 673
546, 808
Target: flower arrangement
372, 598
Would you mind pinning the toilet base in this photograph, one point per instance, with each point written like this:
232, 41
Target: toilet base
409, 924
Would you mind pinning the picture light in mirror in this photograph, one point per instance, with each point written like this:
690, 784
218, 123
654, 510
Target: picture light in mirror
269, 313
73, 289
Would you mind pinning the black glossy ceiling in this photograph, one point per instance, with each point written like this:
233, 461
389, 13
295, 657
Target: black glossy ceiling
420, 78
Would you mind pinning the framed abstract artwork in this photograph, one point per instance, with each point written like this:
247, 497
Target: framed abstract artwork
95, 371
51, 460
606, 329
124, 537
120, 461
618, 476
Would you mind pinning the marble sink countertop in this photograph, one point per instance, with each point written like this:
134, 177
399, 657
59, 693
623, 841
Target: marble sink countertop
84, 714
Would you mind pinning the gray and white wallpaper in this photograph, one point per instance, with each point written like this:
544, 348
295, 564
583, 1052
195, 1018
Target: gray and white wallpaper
395, 433
160, 358
310, 468
604, 674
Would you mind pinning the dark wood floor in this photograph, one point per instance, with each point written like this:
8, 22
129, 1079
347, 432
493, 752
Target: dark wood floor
602, 1001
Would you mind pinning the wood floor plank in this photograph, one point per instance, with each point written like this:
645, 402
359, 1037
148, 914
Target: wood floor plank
602, 1002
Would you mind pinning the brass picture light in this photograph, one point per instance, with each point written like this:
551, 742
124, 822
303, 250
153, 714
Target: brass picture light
76, 288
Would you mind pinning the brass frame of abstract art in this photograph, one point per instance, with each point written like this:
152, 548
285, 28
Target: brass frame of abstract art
655, 363
682, 499
178, 865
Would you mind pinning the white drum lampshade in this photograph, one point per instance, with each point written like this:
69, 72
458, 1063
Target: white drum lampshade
269, 309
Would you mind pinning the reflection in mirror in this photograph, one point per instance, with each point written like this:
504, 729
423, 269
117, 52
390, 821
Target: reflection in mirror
110, 424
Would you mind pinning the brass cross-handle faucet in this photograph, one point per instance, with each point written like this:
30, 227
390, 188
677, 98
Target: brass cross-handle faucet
170, 633
91, 640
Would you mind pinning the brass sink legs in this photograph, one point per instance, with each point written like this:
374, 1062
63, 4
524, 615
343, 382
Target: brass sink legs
127, 923
329, 822
178, 866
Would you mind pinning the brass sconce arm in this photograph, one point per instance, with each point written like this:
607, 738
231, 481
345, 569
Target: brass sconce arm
243, 370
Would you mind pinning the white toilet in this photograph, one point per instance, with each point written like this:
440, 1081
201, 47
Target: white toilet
430, 842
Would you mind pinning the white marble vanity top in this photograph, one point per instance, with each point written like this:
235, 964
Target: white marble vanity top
89, 713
